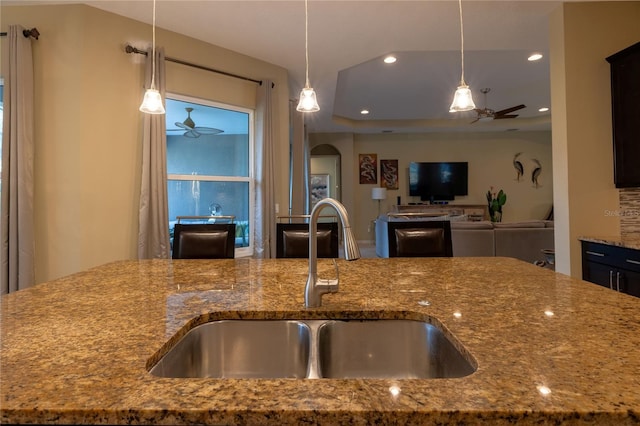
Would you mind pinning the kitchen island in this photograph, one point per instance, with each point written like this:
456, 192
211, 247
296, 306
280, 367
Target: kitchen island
548, 349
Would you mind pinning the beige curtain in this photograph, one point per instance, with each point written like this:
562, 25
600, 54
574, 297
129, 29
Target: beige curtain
153, 222
17, 222
265, 215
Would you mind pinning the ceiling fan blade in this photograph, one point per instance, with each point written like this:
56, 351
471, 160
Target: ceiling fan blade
508, 110
207, 130
191, 134
182, 125
498, 117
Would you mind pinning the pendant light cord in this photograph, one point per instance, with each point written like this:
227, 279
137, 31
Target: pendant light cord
462, 83
153, 48
306, 42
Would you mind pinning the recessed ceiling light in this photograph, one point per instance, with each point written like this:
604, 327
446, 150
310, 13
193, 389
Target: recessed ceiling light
364, 112
535, 57
390, 59
543, 109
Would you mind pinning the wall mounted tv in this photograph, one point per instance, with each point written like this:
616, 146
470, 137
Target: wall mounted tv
438, 181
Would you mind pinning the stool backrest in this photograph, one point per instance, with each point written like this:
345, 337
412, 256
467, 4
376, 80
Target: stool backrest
204, 241
293, 240
420, 239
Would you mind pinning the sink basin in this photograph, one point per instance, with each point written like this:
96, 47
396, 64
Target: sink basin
313, 349
387, 349
240, 349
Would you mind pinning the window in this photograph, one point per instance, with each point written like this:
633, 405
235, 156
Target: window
210, 164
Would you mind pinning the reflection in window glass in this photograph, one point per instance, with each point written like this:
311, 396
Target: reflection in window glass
195, 147
221, 156
209, 165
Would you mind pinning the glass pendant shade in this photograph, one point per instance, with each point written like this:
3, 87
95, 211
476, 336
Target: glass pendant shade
462, 100
152, 102
308, 101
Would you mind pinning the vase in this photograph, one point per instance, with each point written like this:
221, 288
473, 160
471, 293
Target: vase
496, 215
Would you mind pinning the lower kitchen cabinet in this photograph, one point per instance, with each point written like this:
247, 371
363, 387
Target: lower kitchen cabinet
617, 268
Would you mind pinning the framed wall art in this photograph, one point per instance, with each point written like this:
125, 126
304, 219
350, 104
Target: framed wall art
368, 168
319, 188
389, 174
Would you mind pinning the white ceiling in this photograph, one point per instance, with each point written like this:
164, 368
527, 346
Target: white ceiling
347, 40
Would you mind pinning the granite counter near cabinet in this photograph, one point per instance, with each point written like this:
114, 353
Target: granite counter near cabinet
627, 241
549, 349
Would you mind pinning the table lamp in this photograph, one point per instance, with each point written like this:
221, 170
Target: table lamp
378, 194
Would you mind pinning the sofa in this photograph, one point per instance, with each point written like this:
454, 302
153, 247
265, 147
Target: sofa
523, 240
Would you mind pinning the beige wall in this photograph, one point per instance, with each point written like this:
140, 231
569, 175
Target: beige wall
582, 36
88, 127
490, 157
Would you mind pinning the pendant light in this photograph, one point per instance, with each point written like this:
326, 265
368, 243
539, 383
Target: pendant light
308, 101
152, 102
462, 99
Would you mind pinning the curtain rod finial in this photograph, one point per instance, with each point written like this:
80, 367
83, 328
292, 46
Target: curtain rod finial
33, 32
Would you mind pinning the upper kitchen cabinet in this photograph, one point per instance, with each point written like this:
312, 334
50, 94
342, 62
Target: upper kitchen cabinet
625, 105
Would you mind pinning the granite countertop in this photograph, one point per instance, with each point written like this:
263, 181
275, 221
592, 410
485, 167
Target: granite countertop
549, 349
630, 241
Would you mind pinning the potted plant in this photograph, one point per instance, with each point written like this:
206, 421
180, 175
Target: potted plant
495, 202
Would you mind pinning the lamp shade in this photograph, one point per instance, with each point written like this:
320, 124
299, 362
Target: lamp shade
462, 100
308, 101
378, 193
152, 102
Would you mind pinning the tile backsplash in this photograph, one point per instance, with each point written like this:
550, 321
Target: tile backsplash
630, 212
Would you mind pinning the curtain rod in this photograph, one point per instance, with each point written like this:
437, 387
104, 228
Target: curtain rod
33, 32
131, 49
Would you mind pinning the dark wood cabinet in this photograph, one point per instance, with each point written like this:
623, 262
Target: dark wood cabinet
632, 284
625, 106
617, 268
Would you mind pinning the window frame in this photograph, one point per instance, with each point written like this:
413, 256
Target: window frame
250, 179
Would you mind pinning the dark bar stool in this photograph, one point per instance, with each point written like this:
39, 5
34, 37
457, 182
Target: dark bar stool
204, 241
292, 239
420, 239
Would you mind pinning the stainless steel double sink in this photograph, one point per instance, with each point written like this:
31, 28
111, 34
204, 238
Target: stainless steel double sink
311, 349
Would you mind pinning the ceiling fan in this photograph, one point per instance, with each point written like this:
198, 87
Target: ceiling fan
190, 129
487, 114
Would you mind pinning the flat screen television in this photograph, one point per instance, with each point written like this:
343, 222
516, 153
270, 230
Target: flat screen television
438, 181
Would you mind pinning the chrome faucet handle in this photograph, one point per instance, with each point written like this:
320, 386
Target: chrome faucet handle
335, 266
327, 286
331, 285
